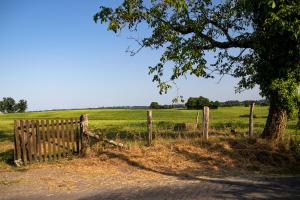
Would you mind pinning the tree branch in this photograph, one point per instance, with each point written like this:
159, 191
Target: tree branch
238, 42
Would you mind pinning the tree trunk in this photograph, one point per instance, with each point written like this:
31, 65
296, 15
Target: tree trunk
276, 123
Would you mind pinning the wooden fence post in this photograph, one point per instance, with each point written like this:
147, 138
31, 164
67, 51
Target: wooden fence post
197, 119
251, 119
83, 134
205, 124
149, 126
17, 150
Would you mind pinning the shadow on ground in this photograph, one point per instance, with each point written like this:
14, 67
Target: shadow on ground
7, 157
6, 148
181, 175
263, 188
6, 137
234, 157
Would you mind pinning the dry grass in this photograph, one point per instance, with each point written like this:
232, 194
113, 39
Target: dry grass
189, 157
166, 160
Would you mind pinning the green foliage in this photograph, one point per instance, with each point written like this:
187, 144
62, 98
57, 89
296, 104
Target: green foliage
277, 55
154, 105
21, 106
200, 102
256, 41
188, 29
9, 105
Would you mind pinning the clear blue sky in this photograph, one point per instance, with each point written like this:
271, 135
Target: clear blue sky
53, 55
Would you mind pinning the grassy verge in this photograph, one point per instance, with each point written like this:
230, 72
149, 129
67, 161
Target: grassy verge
130, 125
188, 157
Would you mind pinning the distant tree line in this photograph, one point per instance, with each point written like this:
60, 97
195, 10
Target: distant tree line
9, 105
246, 103
156, 105
200, 102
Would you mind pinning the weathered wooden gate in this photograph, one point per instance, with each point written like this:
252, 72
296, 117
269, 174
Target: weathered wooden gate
43, 140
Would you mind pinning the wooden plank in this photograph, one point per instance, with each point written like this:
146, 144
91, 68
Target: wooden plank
149, 126
197, 119
69, 143
72, 136
23, 142
77, 137
33, 139
17, 141
58, 129
53, 139
39, 142
68, 136
28, 141
251, 119
76, 121
63, 137
205, 121
83, 133
43, 139
48, 128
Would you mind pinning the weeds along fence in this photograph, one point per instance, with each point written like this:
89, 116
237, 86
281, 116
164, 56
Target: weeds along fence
44, 140
150, 128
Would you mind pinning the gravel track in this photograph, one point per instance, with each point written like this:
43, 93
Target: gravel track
128, 183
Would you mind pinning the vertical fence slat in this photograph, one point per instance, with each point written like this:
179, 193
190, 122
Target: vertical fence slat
68, 135
33, 139
205, 121
77, 136
23, 141
197, 119
28, 141
53, 139
72, 135
58, 129
83, 133
149, 126
49, 149
39, 144
251, 119
17, 140
63, 129
44, 140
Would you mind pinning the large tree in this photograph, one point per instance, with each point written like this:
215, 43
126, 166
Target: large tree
256, 41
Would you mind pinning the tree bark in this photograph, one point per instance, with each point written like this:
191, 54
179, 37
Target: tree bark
276, 123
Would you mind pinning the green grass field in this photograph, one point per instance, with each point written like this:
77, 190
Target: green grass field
132, 121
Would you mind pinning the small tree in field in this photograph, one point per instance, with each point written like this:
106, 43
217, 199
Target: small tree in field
197, 103
154, 105
1, 107
21, 106
9, 105
257, 41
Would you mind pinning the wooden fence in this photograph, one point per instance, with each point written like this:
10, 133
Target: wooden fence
43, 140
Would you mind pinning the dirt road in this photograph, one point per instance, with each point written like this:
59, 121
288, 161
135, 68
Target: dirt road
115, 181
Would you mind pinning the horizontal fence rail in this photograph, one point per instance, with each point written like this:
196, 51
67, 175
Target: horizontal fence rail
45, 140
